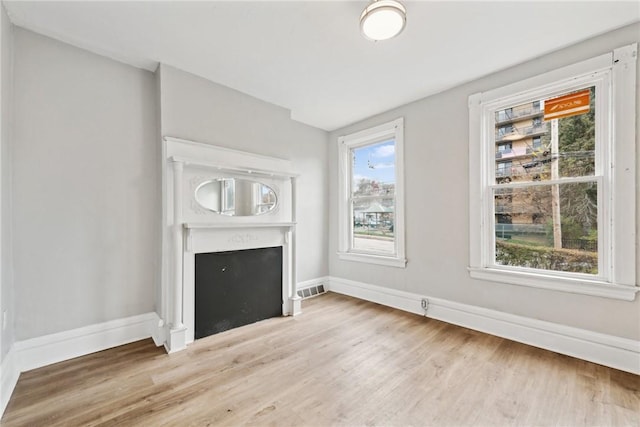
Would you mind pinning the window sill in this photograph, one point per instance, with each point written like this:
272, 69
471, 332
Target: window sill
373, 259
563, 284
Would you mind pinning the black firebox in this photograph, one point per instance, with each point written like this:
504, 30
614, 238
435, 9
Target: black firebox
237, 288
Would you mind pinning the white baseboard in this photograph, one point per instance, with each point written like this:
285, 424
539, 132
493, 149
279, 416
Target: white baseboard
46, 350
41, 351
608, 350
9, 374
313, 282
158, 331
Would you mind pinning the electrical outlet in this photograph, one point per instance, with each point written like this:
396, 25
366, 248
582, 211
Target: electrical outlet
424, 303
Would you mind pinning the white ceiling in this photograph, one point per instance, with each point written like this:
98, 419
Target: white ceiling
309, 57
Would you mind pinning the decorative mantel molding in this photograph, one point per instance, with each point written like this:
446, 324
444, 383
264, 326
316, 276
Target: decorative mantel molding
191, 225
190, 230
237, 235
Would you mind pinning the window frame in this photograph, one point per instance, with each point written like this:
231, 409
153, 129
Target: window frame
616, 178
391, 130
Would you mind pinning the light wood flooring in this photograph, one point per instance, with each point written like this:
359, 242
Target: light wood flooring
342, 362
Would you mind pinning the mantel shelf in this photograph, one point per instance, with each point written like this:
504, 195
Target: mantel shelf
195, 225
234, 169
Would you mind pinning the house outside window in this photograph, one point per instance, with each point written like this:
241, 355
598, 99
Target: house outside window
562, 218
371, 195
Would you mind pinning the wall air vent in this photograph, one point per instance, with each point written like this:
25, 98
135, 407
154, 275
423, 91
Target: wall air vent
311, 291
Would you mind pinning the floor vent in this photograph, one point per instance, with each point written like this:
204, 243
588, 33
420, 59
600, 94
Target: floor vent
311, 291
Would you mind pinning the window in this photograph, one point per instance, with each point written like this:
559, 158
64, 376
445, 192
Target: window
371, 195
505, 115
536, 142
503, 131
503, 169
503, 148
561, 213
536, 106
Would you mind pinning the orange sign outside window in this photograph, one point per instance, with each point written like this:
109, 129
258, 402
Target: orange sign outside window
567, 105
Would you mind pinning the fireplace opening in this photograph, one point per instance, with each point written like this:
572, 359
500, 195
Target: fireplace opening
236, 288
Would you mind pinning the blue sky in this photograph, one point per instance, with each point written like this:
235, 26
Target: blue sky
375, 162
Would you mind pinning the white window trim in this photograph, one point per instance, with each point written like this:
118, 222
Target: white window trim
619, 281
395, 130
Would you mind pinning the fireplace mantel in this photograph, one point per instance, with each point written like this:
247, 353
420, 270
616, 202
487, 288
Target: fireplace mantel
191, 229
191, 225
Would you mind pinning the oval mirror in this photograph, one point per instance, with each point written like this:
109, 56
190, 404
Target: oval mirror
236, 197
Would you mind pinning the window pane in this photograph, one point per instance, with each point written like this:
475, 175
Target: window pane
545, 149
374, 170
529, 234
374, 225
577, 142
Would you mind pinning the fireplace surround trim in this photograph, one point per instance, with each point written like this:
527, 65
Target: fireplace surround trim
189, 230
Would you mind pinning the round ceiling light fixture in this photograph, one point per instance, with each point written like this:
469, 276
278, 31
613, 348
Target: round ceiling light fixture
383, 19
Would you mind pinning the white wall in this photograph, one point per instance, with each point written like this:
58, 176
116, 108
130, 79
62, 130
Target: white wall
199, 110
86, 205
437, 233
6, 267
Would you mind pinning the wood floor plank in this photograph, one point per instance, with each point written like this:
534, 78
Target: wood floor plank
342, 362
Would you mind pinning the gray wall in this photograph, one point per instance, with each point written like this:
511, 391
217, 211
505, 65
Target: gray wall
6, 267
86, 199
85, 195
199, 110
437, 230
86, 178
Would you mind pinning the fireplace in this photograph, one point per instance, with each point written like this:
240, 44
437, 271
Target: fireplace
217, 201
236, 288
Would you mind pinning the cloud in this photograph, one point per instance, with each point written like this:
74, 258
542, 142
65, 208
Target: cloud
384, 151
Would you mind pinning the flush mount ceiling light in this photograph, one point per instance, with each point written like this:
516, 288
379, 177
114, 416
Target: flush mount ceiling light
383, 19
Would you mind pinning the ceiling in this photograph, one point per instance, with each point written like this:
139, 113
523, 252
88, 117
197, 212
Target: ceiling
309, 57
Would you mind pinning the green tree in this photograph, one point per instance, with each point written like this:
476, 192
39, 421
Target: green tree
577, 143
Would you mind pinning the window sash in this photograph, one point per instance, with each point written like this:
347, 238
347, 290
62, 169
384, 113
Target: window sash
391, 130
352, 234
616, 167
603, 237
353, 198
603, 110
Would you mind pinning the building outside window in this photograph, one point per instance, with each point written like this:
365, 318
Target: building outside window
536, 142
537, 121
559, 218
503, 148
371, 199
536, 106
504, 115
502, 131
503, 169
